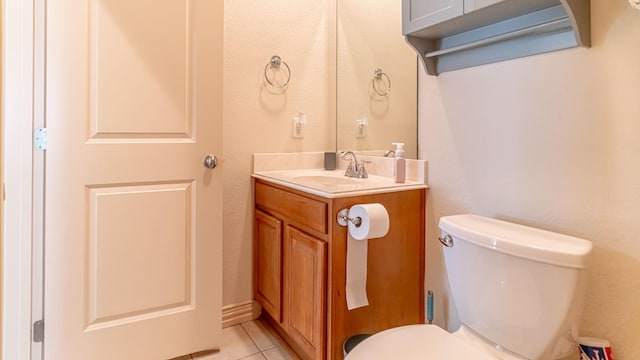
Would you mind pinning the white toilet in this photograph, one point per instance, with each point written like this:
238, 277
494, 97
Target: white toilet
518, 291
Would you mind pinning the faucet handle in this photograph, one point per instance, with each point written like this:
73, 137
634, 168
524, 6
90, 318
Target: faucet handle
351, 170
362, 171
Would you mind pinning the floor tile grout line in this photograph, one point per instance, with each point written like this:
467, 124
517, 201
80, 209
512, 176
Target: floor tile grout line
252, 341
262, 352
248, 356
250, 338
265, 332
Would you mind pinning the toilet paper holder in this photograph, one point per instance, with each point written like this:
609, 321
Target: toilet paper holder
343, 218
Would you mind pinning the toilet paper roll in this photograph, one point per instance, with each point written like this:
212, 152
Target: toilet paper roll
374, 223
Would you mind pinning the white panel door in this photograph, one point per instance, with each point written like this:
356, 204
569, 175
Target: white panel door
133, 218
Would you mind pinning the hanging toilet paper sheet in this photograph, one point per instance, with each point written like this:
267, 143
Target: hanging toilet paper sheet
374, 223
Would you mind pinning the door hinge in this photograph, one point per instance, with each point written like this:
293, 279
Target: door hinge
40, 139
38, 331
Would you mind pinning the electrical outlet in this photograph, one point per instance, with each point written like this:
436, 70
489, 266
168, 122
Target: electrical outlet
299, 122
361, 127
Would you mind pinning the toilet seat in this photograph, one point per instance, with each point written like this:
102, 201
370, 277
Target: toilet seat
416, 342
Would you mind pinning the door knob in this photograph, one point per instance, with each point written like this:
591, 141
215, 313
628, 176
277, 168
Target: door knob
210, 161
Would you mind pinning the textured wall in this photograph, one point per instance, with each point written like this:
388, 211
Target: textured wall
551, 141
256, 119
1, 171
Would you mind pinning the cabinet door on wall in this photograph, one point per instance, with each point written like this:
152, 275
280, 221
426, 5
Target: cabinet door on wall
268, 263
418, 14
471, 5
305, 276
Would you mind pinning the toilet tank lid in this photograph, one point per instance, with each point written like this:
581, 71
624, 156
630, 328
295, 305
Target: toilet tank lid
519, 240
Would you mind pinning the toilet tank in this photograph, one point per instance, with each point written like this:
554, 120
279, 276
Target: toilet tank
518, 287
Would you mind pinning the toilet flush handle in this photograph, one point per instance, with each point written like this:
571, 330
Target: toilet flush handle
446, 241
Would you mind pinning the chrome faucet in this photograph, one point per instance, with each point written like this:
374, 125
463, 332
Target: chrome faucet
354, 169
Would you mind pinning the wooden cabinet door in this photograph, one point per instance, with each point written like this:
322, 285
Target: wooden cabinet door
305, 277
267, 253
418, 14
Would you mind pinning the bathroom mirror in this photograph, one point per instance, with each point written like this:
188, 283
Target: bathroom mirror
376, 79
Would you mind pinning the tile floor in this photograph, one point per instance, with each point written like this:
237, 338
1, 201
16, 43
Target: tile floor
251, 340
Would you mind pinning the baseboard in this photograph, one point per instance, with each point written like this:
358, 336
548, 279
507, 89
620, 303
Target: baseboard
238, 313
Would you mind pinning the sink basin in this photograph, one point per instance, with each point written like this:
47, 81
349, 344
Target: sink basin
329, 179
333, 183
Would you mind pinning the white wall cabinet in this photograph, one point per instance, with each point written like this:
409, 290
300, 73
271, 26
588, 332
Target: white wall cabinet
472, 5
418, 14
455, 34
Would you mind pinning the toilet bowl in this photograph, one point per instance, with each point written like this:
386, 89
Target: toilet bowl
419, 342
519, 293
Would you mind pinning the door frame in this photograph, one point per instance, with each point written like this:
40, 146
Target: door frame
23, 111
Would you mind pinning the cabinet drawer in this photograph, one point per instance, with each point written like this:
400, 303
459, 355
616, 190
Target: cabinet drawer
303, 210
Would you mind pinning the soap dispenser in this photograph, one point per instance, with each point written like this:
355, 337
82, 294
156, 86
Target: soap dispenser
399, 167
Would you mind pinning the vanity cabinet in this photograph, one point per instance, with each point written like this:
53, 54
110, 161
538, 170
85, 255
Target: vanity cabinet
290, 266
300, 263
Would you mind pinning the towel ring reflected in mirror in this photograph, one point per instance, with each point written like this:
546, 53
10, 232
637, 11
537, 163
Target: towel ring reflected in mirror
275, 64
381, 78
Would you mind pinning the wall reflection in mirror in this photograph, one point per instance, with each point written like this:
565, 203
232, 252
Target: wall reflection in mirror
376, 79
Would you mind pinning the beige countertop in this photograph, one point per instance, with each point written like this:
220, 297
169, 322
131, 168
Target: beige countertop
333, 183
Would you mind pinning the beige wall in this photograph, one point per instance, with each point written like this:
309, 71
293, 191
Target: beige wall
1, 173
551, 141
302, 32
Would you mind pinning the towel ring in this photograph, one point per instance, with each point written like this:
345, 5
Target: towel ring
381, 76
275, 63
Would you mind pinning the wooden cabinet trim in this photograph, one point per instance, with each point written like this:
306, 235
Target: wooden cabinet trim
304, 211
